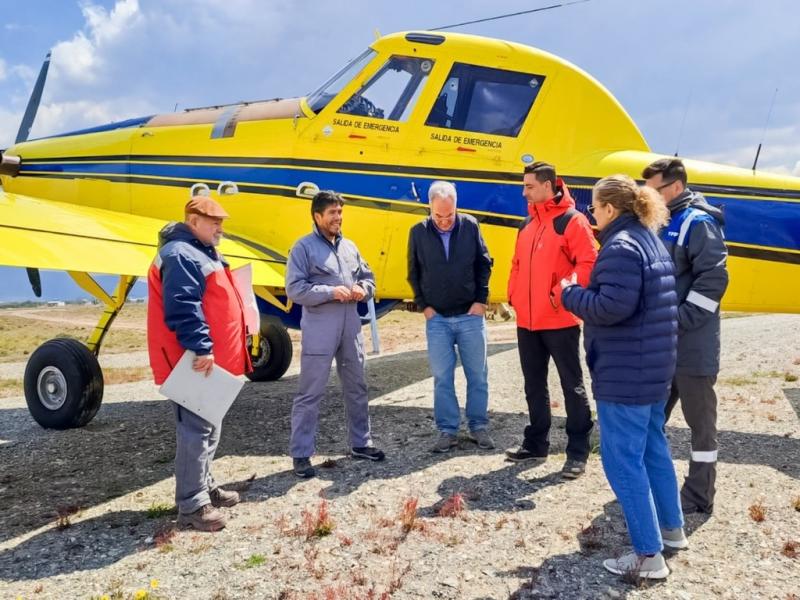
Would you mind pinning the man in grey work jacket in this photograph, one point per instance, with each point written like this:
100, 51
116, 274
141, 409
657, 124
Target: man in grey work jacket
696, 244
327, 276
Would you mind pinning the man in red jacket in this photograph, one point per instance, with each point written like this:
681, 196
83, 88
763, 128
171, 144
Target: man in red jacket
193, 305
555, 242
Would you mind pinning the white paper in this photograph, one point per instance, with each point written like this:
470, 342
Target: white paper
208, 397
243, 280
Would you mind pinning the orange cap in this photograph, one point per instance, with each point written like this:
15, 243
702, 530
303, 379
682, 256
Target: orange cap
203, 205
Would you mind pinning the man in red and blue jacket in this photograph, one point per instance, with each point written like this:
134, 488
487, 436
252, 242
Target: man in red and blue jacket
555, 242
193, 305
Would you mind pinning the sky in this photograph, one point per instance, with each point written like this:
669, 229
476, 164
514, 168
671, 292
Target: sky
697, 76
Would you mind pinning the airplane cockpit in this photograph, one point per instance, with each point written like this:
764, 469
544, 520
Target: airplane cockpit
472, 98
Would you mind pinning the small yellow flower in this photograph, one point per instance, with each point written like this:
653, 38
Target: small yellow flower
105, 597
153, 584
140, 595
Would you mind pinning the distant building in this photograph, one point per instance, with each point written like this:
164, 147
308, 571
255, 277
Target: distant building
56, 303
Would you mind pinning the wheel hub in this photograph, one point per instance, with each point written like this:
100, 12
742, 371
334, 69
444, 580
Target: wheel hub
51, 386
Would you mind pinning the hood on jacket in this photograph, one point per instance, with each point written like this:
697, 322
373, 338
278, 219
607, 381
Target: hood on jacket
696, 200
561, 200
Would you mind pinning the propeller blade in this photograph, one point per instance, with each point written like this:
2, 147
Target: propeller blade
33, 103
36, 281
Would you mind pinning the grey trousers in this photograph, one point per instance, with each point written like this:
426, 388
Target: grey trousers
699, 405
196, 443
314, 372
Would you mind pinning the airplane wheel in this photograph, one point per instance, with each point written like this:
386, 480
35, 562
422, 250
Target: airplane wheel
275, 351
63, 384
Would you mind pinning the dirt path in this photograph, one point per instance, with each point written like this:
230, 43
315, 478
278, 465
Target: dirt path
524, 533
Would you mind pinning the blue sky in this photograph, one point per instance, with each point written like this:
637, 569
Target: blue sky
114, 59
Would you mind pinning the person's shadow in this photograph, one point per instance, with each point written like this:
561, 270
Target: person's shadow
581, 574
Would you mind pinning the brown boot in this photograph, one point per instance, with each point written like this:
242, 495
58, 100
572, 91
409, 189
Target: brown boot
220, 497
205, 518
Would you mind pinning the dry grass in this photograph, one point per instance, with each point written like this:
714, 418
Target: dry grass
320, 524
21, 334
791, 549
758, 512
111, 376
452, 507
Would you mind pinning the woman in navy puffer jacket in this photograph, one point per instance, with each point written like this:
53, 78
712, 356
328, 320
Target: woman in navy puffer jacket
630, 334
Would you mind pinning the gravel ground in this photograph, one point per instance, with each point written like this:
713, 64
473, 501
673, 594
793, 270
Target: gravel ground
75, 521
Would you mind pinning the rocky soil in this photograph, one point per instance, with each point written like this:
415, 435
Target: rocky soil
87, 513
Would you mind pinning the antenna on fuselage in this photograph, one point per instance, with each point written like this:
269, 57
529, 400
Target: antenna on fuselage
515, 14
764, 133
683, 122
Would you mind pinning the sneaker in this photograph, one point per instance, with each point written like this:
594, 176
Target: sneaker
445, 442
646, 567
482, 438
525, 455
205, 518
573, 469
368, 452
220, 497
674, 538
302, 468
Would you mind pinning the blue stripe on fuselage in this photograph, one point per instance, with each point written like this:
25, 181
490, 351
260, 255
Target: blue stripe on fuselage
771, 223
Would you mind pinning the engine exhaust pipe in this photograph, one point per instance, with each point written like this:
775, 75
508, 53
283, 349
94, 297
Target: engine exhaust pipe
9, 164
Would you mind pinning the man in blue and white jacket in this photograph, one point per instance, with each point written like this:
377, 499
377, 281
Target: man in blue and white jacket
695, 241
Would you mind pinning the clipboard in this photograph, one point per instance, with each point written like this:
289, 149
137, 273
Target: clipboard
207, 397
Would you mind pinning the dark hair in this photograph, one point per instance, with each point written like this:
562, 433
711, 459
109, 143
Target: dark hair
543, 172
671, 169
323, 200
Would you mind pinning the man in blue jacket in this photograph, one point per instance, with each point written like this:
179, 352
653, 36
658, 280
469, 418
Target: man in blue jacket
695, 241
327, 276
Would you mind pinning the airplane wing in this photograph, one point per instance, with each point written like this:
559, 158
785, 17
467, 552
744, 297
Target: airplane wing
46, 234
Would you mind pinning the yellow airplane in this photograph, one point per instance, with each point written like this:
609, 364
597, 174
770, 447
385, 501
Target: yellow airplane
413, 108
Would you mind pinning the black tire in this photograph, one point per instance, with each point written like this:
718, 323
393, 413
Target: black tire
275, 351
63, 384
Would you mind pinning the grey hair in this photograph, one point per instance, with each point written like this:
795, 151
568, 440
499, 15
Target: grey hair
442, 189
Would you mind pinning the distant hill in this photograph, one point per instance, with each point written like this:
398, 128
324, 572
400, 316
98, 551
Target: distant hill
14, 286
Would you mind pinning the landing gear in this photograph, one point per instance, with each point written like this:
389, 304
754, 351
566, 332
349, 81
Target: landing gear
63, 384
274, 351
63, 381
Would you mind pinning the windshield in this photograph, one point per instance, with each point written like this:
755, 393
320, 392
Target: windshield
319, 99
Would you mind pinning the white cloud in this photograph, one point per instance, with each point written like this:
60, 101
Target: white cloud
780, 152
82, 58
3, 70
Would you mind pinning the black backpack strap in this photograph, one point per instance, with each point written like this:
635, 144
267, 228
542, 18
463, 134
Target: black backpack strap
561, 221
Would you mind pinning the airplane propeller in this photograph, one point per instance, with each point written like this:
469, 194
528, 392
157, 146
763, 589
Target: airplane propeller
22, 135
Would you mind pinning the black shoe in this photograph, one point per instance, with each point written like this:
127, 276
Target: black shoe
525, 455
368, 452
303, 468
573, 468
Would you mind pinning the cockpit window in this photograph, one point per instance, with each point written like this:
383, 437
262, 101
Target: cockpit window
392, 92
485, 100
328, 90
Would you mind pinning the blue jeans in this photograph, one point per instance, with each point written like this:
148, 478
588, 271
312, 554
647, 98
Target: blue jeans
638, 466
468, 332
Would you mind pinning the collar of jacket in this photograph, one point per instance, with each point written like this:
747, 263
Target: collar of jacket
431, 226
177, 231
696, 200
337, 238
624, 221
558, 204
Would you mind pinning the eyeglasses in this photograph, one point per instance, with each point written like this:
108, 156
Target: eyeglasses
663, 185
590, 209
